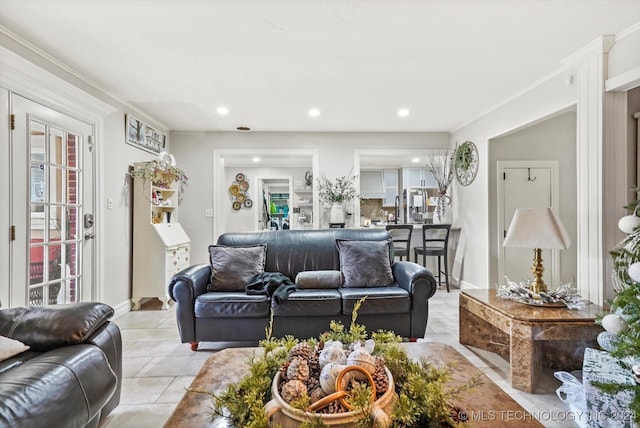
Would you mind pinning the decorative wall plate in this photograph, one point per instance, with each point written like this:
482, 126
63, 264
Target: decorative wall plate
248, 203
236, 205
241, 197
466, 163
244, 186
239, 177
234, 189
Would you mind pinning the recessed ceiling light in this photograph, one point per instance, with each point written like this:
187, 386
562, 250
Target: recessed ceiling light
255, 159
314, 112
403, 112
223, 111
415, 160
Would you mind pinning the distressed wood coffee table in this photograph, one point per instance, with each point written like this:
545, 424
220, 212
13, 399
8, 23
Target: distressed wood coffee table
529, 337
485, 406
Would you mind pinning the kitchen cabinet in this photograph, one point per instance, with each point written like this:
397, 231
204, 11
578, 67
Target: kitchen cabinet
390, 177
372, 184
161, 247
419, 177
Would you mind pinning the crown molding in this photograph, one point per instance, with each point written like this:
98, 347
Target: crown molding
70, 89
601, 45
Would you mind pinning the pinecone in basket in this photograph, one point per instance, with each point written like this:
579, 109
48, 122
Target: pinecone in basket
302, 349
293, 390
283, 371
314, 371
298, 369
333, 408
380, 377
316, 394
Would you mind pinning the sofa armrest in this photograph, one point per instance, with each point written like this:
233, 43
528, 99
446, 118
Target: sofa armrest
109, 340
421, 285
184, 287
65, 387
50, 327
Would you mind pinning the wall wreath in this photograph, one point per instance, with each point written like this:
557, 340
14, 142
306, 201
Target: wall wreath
466, 163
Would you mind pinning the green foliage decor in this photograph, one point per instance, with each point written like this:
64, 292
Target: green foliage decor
343, 190
161, 173
423, 397
463, 155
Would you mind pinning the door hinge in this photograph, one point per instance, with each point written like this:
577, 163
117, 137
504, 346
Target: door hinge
504, 233
12, 233
504, 175
90, 142
13, 122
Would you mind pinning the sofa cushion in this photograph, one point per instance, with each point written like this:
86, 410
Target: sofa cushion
221, 304
65, 387
319, 279
231, 267
46, 328
10, 347
380, 300
309, 303
365, 263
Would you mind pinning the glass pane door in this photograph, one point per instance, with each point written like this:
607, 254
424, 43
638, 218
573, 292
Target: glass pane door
55, 212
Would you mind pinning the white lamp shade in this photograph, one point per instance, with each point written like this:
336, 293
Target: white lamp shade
537, 228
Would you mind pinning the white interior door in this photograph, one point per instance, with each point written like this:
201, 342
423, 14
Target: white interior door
52, 207
525, 185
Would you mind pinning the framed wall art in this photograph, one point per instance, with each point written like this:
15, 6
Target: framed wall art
143, 136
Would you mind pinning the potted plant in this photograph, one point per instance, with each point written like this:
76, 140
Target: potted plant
161, 173
441, 165
337, 193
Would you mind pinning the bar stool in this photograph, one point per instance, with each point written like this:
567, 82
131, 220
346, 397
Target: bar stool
435, 242
401, 235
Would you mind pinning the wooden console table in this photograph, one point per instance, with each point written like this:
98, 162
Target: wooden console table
529, 337
486, 405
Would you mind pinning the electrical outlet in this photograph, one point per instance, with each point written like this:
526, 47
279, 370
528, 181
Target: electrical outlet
208, 212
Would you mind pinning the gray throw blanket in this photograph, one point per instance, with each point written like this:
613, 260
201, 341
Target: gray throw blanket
273, 284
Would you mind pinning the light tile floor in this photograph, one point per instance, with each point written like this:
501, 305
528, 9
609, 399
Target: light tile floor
157, 367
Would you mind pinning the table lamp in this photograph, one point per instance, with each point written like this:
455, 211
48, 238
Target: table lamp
537, 228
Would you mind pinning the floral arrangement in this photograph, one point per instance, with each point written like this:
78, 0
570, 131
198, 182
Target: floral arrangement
343, 190
565, 295
161, 173
442, 167
423, 398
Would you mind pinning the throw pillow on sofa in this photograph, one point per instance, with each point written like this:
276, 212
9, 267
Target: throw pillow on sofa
10, 347
232, 267
319, 279
365, 263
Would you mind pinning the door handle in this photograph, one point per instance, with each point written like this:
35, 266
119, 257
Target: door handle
89, 235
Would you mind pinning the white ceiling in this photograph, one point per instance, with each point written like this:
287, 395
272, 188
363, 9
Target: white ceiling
357, 61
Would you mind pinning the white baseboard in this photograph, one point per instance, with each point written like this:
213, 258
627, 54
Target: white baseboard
121, 309
464, 285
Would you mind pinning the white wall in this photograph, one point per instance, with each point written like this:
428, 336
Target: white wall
574, 84
552, 139
194, 151
472, 211
114, 156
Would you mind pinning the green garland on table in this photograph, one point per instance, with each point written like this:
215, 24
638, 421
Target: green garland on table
423, 398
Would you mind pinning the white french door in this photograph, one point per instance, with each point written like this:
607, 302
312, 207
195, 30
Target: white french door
51, 206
